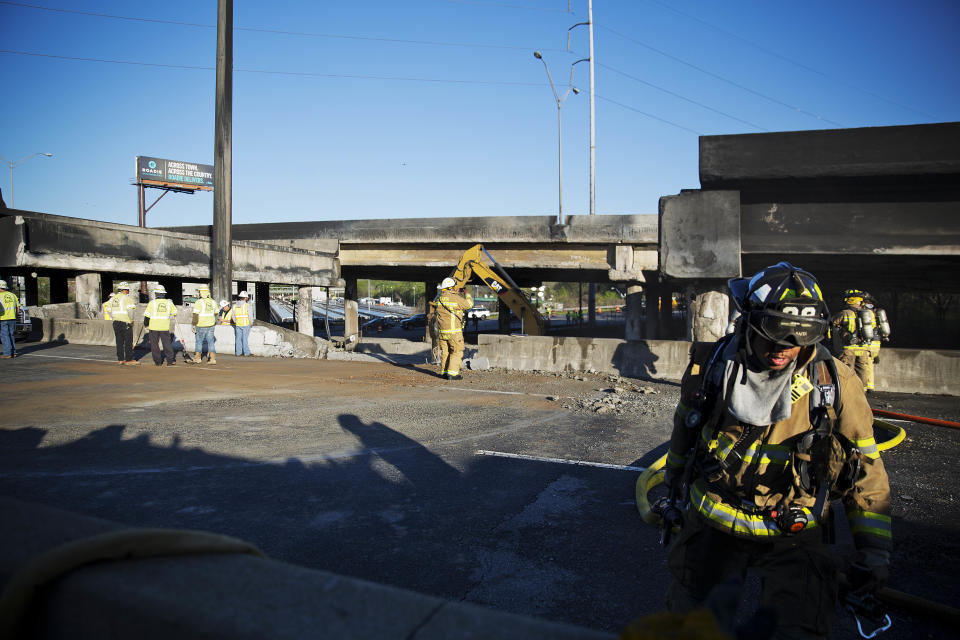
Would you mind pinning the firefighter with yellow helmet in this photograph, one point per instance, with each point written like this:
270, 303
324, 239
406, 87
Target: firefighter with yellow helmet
451, 305
768, 431
157, 318
860, 328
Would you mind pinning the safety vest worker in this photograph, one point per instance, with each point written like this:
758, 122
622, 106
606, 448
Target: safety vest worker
203, 320
451, 307
241, 312
9, 303
105, 307
157, 318
121, 309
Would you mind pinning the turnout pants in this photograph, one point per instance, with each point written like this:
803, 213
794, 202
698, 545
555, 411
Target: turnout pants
451, 353
798, 575
123, 332
861, 361
158, 339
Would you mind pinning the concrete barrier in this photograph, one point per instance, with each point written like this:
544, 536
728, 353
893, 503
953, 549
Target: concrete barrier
214, 596
265, 339
899, 370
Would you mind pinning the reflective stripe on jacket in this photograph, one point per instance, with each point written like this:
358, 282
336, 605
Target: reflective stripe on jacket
105, 308
241, 314
122, 307
450, 309
206, 311
10, 304
160, 311
739, 501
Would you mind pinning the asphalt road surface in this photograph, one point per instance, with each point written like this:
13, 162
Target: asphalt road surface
510, 490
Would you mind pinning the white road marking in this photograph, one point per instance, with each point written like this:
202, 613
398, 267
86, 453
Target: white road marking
583, 463
41, 355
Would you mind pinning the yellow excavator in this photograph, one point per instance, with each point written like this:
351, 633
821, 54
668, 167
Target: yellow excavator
494, 276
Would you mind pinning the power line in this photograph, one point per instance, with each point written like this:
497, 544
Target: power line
650, 115
502, 5
791, 61
677, 95
305, 34
274, 72
723, 79
327, 75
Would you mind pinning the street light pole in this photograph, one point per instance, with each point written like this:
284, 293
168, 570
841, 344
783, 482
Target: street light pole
17, 163
560, 100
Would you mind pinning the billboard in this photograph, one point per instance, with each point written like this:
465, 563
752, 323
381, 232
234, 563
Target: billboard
173, 173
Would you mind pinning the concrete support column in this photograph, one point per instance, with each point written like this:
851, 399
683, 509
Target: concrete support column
351, 317
304, 310
32, 291
708, 310
88, 290
633, 321
503, 317
261, 300
59, 291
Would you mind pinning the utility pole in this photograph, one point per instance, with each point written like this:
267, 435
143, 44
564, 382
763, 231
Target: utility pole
222, 240
592, 291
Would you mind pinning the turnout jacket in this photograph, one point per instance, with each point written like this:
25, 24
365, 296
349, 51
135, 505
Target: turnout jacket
763, 462
451, 307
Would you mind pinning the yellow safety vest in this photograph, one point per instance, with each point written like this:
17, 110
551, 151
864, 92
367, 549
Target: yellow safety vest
206, 311
106, 309
122, 307
10, 304
160, 311
241, 314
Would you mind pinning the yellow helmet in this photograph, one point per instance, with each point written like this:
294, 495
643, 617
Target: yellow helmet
854, 296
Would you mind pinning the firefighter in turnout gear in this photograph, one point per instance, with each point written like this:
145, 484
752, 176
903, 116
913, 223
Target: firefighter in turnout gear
860, 328
157, 317
451, 307
122, 309
769, 430
203, 321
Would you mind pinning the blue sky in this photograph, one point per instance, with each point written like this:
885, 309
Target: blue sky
372, 109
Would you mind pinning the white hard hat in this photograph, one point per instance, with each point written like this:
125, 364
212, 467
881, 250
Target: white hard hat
3, 284
224, 303
111, 295
448, 283
159, 289
123, 285
242, 294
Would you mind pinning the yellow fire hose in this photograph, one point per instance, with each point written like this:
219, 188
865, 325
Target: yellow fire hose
654, 474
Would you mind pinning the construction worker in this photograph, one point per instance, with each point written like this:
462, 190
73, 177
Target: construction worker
9, 305
159, 314
122, 309
203, 320
225, 315
241, 325
451, 305
774, 428
105, 307
860, 328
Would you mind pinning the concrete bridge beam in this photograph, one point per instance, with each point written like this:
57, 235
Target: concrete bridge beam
708, 309
633, 326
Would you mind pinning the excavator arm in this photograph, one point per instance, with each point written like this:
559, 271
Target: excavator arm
496, 278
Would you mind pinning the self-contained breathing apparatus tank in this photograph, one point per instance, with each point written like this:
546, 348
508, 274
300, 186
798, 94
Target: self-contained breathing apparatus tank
866, 321
883, 325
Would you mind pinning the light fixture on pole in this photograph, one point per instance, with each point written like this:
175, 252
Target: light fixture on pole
17, 163
560, 100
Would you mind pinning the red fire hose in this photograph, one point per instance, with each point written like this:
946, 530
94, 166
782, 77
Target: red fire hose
922, 420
